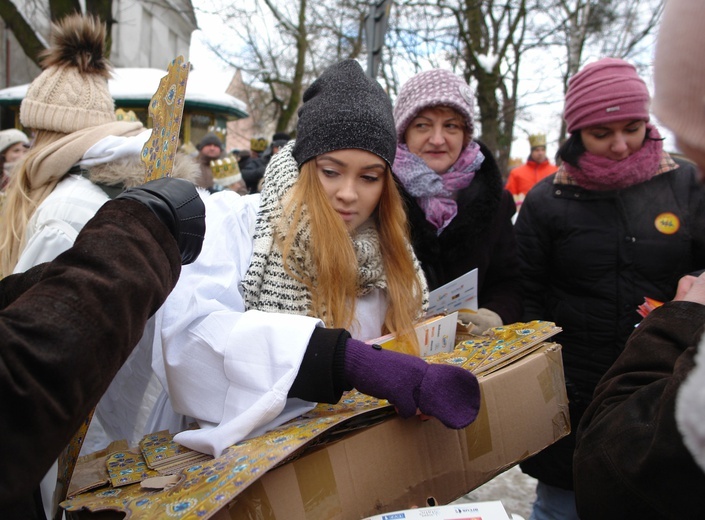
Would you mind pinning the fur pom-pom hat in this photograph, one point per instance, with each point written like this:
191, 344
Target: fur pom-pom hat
72, 91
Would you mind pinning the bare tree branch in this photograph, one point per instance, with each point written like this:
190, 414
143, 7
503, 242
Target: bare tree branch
25, 35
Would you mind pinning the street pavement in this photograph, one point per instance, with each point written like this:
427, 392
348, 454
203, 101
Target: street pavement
513, 488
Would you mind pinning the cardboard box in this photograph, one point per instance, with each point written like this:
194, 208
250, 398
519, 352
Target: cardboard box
400, 464
403, 463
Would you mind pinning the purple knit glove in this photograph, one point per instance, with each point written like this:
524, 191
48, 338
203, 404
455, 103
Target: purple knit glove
450, 394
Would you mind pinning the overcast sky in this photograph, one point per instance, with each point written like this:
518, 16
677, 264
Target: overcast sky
543, 114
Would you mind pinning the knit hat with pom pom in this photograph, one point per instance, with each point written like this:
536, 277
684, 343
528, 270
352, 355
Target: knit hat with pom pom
72, 91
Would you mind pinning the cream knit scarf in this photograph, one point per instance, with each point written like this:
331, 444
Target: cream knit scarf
45, 168
50, 165
266, 285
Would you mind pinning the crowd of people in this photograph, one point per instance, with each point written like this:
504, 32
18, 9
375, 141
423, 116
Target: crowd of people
246, 287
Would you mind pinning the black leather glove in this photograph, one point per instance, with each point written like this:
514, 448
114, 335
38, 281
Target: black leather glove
177, 204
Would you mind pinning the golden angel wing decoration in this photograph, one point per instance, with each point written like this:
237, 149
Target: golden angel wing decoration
166, 110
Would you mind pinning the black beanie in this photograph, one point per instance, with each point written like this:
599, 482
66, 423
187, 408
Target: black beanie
344, 108
210, 138
281, 136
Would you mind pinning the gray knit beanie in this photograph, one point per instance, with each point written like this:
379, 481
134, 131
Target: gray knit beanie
433, 88
72, 92
210, 138
342, 109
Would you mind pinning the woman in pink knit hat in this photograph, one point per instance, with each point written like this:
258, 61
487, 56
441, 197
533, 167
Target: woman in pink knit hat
644, 432
621, 220
460, 215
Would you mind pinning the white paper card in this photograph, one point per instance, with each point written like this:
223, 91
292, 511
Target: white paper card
436, 334
457, 295
493, 510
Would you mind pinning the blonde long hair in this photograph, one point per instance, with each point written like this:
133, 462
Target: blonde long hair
20, 204
334, 290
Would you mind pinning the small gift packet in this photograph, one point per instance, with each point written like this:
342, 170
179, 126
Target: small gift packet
127, 467
164, 455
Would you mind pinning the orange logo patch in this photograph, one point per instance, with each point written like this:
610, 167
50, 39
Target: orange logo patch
667, 223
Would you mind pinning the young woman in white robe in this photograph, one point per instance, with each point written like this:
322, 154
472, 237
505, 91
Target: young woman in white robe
256, 330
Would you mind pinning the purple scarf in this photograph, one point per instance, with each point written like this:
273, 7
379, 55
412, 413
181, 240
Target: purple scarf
432, 191
600, 173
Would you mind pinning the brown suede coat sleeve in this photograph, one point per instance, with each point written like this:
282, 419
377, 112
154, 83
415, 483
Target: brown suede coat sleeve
66, 327
630, 460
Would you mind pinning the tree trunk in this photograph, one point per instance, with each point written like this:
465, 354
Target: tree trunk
24, 33
103, 9
288, 112
60, 8
489, 110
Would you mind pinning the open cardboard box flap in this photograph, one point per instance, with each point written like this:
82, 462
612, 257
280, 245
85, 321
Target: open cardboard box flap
396, 464
400, 464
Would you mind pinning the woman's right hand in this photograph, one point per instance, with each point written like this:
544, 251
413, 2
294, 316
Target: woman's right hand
449, 393
691, 289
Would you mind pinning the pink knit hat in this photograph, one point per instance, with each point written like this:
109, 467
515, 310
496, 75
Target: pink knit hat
605, 91
432, 88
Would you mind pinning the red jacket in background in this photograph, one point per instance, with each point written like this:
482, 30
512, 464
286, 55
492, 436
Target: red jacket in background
522, 178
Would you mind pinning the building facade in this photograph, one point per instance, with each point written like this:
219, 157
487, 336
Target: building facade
145, 34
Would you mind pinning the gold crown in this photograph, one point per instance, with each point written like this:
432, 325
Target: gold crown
225, 171
122, 115
537, 140
219, 131
225, 167
258, 144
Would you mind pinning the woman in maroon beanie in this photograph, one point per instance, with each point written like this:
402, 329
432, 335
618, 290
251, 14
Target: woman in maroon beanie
621, 220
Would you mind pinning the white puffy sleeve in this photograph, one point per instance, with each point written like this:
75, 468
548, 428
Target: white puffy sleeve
229, 369
57, 221
45, 245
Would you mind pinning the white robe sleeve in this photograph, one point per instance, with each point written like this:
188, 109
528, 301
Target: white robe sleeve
229, 369
690, 408
57, 221
49, 242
